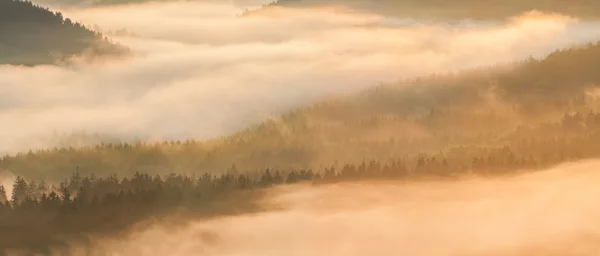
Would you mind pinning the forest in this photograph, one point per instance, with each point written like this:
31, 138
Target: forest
457, 9
495, 121
39, 217
453, 10
34, 35
519, 106
490, 122
429, 9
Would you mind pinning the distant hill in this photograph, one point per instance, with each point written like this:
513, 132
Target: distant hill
427, 9
88, 3
458, 9
544, 111
32, 35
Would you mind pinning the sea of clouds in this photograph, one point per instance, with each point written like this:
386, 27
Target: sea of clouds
200, 69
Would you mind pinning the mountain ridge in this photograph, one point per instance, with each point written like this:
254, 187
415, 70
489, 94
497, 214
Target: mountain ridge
39, 36
457, 10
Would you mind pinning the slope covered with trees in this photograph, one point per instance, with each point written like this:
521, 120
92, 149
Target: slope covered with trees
33, 35
457, 9
538, 109
39, 217
87, 3
429, 9
491, 121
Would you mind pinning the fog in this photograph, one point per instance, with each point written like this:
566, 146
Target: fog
551, 212
7, 179
200, 71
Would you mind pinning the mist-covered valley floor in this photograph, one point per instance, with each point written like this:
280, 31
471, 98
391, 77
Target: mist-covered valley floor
201, 128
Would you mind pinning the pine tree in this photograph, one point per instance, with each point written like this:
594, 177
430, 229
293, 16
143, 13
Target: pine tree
66, 195
266, 179
3, 197
32, 189
292, 177
19, 193
81, 198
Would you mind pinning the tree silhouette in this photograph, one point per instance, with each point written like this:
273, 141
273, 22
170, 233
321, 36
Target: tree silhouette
3, 195
19, 191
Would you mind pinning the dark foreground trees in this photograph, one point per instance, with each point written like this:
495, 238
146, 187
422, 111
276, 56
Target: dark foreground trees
39, 216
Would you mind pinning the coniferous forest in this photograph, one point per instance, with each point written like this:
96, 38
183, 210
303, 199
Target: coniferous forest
460, 116
457, 9
34, 35
490, 122
431, 9
67, 192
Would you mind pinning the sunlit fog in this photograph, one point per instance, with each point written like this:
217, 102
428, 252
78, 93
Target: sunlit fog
550, 212
299, 127
199, 70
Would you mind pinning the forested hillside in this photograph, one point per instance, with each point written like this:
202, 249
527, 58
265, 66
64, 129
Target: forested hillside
94, 2
458, 9
33, 35
39, 216
429, 9
544, 111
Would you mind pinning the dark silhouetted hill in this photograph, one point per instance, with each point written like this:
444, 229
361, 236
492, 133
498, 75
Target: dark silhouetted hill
32, 35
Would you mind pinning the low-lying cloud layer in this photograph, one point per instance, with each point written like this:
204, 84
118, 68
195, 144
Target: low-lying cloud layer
200, 71
552, 212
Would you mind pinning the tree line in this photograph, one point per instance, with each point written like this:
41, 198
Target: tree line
574, 135
36, 211
457, 9
487, 107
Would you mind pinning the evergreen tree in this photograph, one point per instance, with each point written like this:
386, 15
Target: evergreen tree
65, 195
19, 192
266, 179
3, 196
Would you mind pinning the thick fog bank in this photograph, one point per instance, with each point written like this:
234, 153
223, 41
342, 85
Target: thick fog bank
201, 71
552, 212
